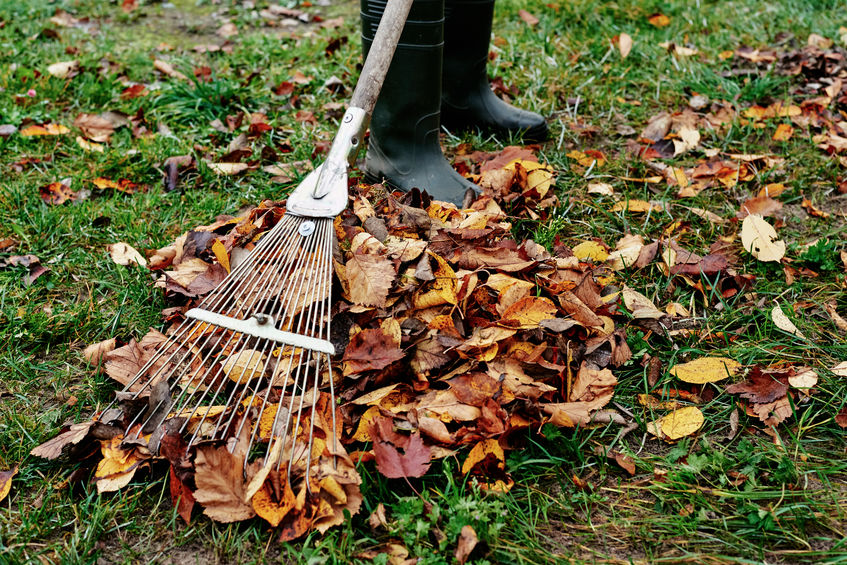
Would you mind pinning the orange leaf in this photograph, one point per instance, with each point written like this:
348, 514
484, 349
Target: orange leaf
485, 454
783, 132
266, 506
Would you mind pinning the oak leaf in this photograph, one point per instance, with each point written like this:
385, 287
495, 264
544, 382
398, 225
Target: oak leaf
221, 485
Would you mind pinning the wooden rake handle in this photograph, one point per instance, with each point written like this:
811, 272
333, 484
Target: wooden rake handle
379, 57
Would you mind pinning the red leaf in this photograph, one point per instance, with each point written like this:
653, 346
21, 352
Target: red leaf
182, 497
371, 350
413, 462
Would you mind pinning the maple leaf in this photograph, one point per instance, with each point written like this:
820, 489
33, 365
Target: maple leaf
413, 462
761, 387
370, 277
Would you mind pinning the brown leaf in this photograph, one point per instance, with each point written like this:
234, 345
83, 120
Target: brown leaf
762, 205
95, 352
467, 542
761, 387
221, 485
413, 462
181, 496
52, 449
57, 193
370, 278
370, 350
95, 128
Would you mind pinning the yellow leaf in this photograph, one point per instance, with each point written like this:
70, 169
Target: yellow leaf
677, 424
6, 482
221, 255
760, 239
659, 20
46, 129
705, 370
481, 451
89, 145
530, 311
633, 206
590, 250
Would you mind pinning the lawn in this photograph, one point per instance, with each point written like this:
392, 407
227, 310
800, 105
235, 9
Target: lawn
762, 85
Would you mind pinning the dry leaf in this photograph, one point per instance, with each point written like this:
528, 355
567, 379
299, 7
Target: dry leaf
221, 485
706, 370
63, 69
624, 44
678, 424
95, 352
124, 254
370, 277
782, 322
6, 482
760, 239
467, 543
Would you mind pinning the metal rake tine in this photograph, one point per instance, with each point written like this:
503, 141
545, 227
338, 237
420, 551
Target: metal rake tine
290, 293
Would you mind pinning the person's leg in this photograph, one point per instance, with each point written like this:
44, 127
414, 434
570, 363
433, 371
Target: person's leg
467, 99
404, 148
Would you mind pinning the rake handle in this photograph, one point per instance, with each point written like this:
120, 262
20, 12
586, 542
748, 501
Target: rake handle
381, 52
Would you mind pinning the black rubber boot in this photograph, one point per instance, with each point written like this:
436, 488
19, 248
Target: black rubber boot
467, 101
404, 149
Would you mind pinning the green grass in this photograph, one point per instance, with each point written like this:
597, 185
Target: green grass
685, 503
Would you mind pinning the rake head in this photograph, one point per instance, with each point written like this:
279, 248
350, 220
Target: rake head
248, 362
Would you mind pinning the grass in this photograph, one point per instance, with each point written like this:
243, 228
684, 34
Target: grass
686, 502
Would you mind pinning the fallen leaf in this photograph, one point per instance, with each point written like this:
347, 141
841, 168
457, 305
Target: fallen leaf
54, 448
705, 370
370, 350
57, 193
624, 43
95, 352
467, 543
783, 132
659, 20
228, 168
370, 277
46, 129
760, 239
678, 424
94, 127
63, 69
6, 483
640, 306
840, 369
760, 205
782, 322
527, 17
413, 462
590, 250
124, 254
221, 487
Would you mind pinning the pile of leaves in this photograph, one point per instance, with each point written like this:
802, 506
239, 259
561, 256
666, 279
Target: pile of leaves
453, 334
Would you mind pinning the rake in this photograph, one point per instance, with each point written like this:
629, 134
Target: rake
256, 350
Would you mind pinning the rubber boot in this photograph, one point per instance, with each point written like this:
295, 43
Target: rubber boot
467, 101
404, 148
